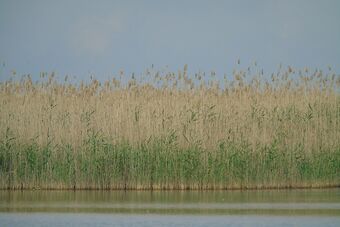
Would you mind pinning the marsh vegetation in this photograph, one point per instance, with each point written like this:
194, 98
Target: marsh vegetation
166, 130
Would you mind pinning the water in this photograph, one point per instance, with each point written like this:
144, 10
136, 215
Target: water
171, 208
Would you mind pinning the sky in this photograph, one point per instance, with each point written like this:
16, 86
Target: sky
82, 38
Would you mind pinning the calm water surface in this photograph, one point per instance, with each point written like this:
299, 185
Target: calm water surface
171, 208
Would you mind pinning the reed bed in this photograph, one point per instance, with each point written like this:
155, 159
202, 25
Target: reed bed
166, 130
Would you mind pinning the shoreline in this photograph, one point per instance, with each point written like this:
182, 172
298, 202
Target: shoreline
262, 188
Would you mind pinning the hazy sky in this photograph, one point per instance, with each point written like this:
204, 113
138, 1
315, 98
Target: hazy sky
102, 37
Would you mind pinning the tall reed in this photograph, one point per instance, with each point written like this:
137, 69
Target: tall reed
165, 130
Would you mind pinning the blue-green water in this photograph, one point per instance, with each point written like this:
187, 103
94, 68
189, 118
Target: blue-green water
171, 208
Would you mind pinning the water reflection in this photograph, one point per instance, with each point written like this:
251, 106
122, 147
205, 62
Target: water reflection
135, 220
266, 202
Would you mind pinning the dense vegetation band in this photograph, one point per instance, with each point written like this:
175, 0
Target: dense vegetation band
165, 130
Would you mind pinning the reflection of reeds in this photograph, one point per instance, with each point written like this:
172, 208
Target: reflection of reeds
168, 130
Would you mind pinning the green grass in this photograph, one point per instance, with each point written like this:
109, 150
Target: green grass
161, 164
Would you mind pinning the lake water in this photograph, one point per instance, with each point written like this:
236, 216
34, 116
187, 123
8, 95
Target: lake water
171, 208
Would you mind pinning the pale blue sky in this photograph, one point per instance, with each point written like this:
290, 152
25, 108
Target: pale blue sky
102, 37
